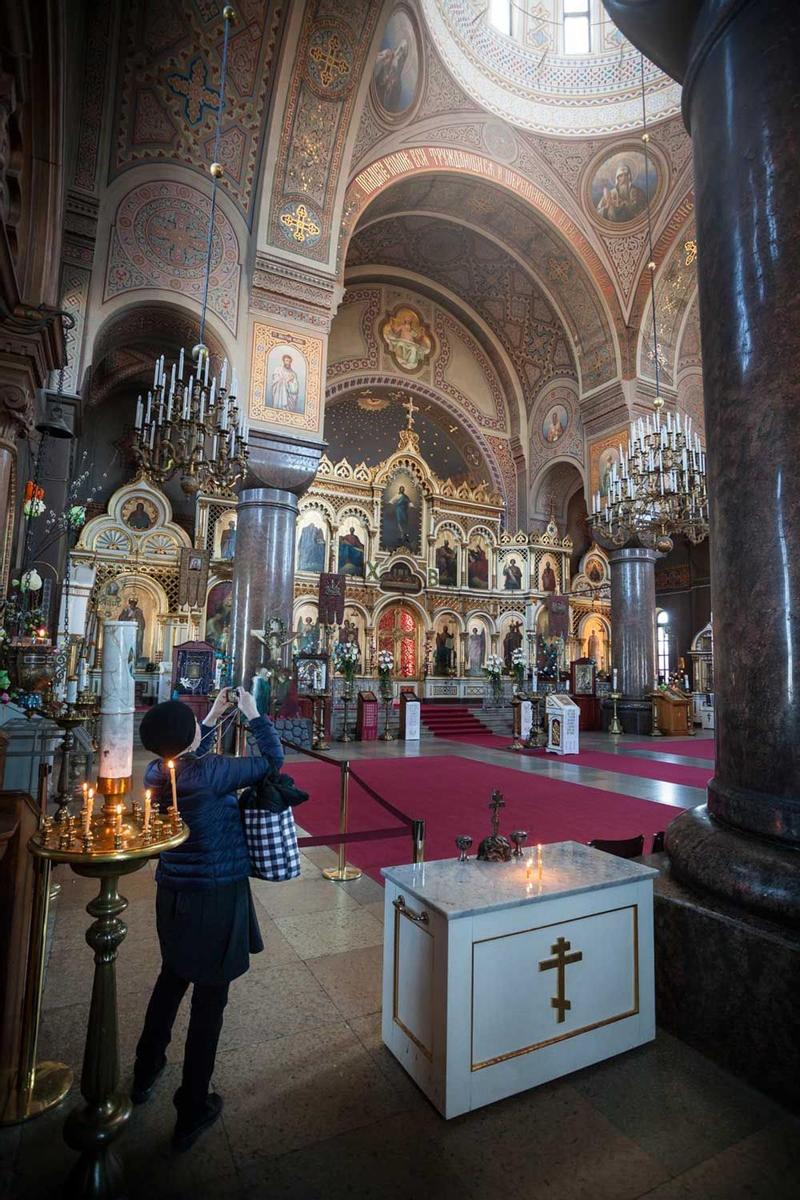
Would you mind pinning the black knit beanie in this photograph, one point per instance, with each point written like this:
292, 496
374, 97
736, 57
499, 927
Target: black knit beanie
168, 728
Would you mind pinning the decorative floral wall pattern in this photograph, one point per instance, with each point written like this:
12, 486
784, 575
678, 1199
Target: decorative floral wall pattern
168, 91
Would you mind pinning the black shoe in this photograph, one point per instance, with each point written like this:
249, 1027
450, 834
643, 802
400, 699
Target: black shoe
189, 1127
143, 1084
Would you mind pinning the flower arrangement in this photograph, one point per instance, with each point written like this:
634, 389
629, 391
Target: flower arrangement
494, 671
385, 668
346, 658
33, 500
518, 665
494, 666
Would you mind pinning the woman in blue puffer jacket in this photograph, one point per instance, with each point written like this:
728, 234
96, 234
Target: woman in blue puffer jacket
206, 922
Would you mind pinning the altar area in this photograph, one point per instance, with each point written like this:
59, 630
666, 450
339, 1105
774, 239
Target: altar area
434, 576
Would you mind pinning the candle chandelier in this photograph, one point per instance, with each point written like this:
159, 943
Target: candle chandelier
185, 425
657, 488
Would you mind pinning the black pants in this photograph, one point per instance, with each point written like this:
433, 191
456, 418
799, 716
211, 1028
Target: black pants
205, 1025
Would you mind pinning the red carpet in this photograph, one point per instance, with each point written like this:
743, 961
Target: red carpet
688, 747
606, 760
450, 720
452, 794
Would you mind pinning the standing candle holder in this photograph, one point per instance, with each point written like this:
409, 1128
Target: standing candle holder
387, 735
347, 697
105, 847
616, 725
537, 738
318, 702
68, 719
654, 730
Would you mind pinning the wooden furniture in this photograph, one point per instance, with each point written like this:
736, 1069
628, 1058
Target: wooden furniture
367, 717
590, 712
500, 976
410, 721
673, 711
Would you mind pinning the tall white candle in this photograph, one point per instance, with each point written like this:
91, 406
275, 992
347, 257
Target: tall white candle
614, 679
117, 700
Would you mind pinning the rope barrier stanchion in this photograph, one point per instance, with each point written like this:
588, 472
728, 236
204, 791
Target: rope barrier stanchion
341, 873
418, 841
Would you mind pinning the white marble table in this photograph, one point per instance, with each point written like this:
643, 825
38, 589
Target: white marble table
500, 976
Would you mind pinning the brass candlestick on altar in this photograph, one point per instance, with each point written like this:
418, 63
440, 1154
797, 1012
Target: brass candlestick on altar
616, 725
104, 846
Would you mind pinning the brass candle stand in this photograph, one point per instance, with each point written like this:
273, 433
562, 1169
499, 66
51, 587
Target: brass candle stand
347, 697
67, 718
319, 702
516, 709
616, 725
654, 729
103, 846
537, 738
386, 700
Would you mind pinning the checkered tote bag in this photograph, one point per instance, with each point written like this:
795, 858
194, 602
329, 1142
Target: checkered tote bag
271, 842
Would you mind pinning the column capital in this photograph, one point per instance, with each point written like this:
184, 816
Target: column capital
277, 461
300, 295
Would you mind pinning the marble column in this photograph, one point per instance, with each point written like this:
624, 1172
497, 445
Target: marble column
279, 470
740, 70
633, 618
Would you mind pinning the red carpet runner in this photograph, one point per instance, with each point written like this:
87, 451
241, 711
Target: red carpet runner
452, 794
623, 764
450, 720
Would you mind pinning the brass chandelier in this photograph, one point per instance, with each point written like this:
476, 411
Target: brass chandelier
657, 489
185, 425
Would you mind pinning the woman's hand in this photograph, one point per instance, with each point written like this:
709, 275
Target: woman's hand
221, 704
247, 705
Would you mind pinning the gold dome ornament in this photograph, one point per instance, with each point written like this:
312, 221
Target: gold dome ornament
217, 170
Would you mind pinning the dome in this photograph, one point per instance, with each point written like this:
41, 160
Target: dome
511, 57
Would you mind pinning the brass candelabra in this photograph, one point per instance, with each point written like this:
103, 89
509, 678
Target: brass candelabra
106, 845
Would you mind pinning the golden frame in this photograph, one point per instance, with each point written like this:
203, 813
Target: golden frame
265, 338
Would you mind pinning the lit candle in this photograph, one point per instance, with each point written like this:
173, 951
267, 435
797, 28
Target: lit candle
539, 860
87, 822
171, 769
147, 803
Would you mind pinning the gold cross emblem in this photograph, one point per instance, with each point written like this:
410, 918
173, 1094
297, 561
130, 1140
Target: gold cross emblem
691, 251
410, 408
560, 1002
331, 63
300, 223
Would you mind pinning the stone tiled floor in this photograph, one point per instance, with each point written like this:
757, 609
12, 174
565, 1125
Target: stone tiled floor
315, 1106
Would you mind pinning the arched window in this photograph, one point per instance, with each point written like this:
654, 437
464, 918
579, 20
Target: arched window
662, 645
577, 26
501, 17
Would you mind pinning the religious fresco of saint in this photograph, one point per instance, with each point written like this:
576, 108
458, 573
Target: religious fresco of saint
311, 548
285, 378
396, 72
139, 514
218, 616
603, 454
478, 564
619, 187
352, 546
407, 338
446, 558
477, 641
445, 641
512, 573
401, 513
548, 574
555, 424
225, 537
512, 639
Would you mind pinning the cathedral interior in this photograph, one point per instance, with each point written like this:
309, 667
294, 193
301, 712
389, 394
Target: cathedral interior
405, 390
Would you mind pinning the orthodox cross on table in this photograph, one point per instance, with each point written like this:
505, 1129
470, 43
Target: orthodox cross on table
560, 1002
410, 408
495, 804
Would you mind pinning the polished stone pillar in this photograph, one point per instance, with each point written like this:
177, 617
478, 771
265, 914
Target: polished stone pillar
263, 577
279, 470
740, 69
633, 619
